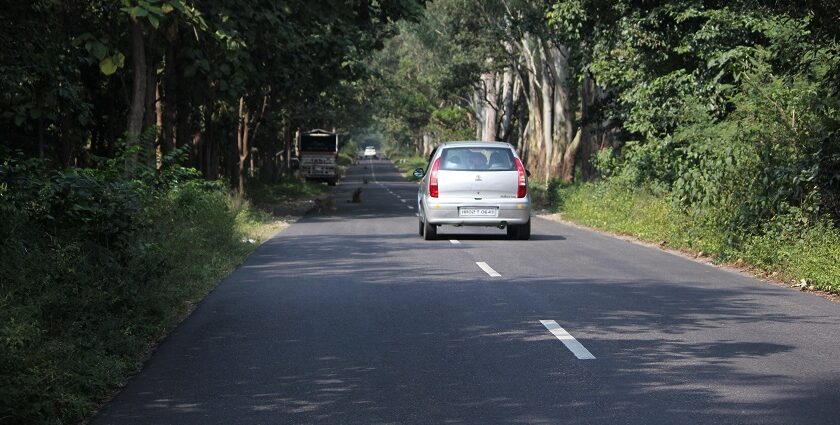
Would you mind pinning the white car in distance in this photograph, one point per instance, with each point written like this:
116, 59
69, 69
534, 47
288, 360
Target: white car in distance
370, 152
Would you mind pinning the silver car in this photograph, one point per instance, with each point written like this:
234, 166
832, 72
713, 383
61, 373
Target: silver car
474, 184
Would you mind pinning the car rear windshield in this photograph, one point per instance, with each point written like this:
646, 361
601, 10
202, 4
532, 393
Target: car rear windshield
477, 159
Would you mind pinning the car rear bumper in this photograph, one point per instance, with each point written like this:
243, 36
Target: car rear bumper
511, 211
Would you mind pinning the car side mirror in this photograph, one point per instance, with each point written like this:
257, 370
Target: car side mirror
527, 173
419, 173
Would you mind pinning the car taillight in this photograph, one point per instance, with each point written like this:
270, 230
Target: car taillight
433, 179
522, 190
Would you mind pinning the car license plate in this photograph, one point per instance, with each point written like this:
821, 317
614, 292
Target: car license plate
478, 212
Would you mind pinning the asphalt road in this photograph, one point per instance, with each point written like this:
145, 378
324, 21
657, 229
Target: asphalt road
349, 317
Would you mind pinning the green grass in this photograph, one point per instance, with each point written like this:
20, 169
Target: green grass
78, 314
812, 253
284, 190
407, 165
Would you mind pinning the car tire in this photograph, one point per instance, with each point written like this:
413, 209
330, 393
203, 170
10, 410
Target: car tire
429, 232
513, 231
524, 231
421, 227
520, 232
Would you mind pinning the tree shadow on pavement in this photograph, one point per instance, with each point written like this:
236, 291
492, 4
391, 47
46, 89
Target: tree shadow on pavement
293, 338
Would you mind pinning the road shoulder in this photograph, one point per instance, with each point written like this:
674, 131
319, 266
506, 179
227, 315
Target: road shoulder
697, 257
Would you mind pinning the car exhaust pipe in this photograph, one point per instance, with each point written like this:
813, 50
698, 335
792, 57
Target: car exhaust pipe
502, 225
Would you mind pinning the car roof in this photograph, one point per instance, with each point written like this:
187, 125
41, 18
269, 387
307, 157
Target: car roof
472, 144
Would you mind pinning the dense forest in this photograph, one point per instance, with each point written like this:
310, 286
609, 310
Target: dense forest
716, 120
127, 126
695, 95
228, 82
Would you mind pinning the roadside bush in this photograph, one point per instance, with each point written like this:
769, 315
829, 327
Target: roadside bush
733, 146
791, 245
345, 159
285, 189
613, 208
408, 163
733, 118
797, 251
95, 269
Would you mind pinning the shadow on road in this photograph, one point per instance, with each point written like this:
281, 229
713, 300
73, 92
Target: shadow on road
367, 338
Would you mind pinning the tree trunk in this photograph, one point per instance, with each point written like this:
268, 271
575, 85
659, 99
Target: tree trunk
568, 168
599, 134
183, 122
248, 133
258, 122
205, 147
284, 144
169, 97
535, 131
562, 104
211, 157
268, 166
509, 93
138, 92
159, 124
290, 136
476, 106
427, 144
547, 97
149, 115
540, 106
150, 106
488, 106
522, 126
242, 135
589, 126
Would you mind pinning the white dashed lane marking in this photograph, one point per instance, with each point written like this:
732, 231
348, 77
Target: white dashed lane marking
456, 242
487, 269
568, 340
372, 173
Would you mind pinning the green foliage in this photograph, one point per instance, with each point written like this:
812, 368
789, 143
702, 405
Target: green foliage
67, 86
345, 159
612, 208
408, 163
606, 162
546, 196
728, 111
97, 266
789, 246
423, 77
448, 123
95, 269
283, 190
795, 254
740, 171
